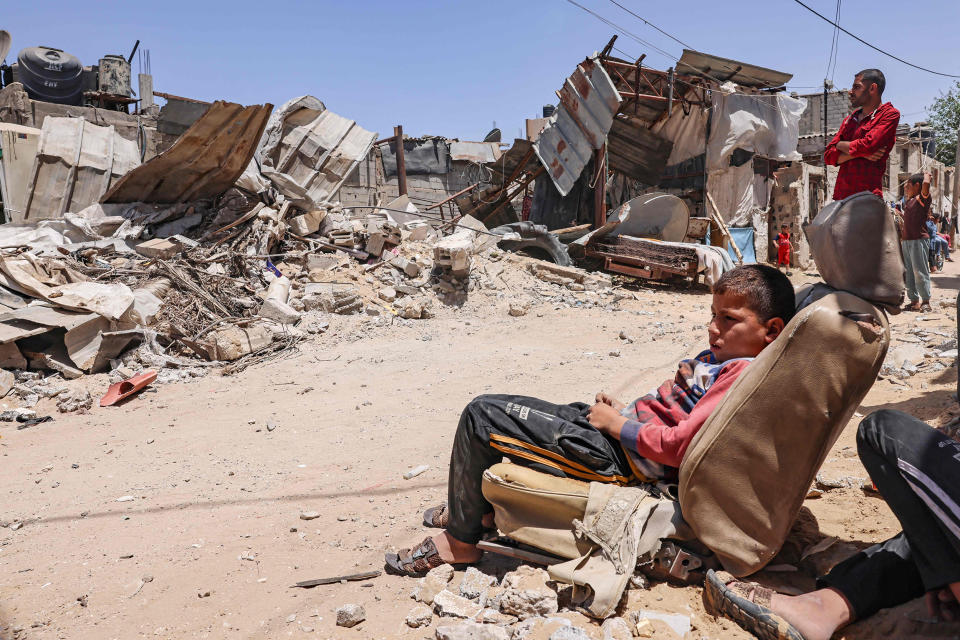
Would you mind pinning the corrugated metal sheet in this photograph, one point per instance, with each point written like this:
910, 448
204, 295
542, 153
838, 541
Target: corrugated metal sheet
507, 165
204, 162
636, 151
76, 163
479, 152
723, 69
18, 152
588, 101
311, 150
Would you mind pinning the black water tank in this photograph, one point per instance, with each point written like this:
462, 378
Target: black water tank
548, 110
50, 75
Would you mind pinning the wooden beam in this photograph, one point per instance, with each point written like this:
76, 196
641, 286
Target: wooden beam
401, 163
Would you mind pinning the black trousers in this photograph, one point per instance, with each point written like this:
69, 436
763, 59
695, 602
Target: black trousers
553, 438
917, 470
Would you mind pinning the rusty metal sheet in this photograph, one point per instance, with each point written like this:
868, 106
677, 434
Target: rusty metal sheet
479, 152
588, 101
636, 151
204, 162
723, 69
76, 163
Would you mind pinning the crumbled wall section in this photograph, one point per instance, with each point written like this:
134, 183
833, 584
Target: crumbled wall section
798, 194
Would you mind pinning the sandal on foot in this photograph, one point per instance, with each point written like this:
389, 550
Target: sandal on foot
416, 562
747, 604
925, 307
438, 517
913, 306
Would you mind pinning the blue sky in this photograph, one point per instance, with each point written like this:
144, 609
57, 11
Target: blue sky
453, 68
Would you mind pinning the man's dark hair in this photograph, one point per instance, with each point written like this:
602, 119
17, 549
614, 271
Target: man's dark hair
873, 76
916, 178
768, 292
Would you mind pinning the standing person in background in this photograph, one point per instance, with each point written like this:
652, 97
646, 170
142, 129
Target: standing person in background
783, 248
915, 242
865, 138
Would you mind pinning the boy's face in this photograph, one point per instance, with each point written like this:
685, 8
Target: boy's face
736, 330
911, 189
784, 229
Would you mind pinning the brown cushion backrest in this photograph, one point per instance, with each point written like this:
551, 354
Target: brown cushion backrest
748, 470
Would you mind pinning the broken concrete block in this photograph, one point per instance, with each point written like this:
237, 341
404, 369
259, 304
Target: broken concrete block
419, 616
453, 252
342, 238
307, 223
417, 231
616, 629
526, 593
158, 249
412, 269
326, 261
279, 311
414, 309
433, 583
447, 603
332, 298
77, 400
387, 294
472, 631
475, 583
231, 343
375, 243
518, 309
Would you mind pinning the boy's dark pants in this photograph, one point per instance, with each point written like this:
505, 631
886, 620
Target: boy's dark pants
917, 470
553, 438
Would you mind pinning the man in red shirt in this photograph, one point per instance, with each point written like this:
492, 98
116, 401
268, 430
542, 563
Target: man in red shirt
865, 138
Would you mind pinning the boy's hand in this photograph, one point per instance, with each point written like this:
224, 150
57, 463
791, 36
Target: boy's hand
606, 419
606, 398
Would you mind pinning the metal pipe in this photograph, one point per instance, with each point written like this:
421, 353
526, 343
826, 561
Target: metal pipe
136, 45
401, 163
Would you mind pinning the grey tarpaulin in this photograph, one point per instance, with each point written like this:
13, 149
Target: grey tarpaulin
555, 211
421, 157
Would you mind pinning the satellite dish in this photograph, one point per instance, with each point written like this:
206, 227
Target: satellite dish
4, 43
661, 216
493, 136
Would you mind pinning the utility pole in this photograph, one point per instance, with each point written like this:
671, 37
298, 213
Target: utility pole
953, 201
824, 117
401, 162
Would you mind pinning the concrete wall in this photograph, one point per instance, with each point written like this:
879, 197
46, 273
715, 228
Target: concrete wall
801, 190
811, 122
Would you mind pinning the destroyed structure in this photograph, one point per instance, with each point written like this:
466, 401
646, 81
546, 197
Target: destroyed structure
202, 232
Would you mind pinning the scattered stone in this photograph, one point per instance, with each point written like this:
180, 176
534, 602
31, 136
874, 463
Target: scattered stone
475, 583
447, 603
419, 616
472, 631
387, 294
309, 515
125, 499
433, 583
282, 312
526, 593
680, 624
538, 627
614, 354
627, 338
570, 633
414, 309
71, 401
350, 615
492, 616
518, 309
616, 629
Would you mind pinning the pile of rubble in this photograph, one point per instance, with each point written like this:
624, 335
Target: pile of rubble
919, 349
525, 603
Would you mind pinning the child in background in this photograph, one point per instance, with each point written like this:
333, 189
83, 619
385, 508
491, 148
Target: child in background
783, 248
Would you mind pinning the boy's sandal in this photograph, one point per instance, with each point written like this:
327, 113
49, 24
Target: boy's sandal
414, 562
439, 517
913, 306
925, 307
747, 604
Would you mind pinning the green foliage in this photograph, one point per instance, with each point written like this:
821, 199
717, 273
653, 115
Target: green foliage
945, 119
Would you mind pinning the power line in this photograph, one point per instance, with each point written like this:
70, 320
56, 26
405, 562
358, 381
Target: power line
650, 24
875, 48
834, 41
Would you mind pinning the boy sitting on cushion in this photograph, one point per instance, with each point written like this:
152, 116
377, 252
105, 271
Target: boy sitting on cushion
609, 441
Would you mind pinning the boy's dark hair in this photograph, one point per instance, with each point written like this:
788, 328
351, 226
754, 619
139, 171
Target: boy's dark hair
916, 178
873, 76
768, 292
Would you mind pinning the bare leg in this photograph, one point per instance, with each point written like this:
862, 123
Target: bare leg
452, 550
817, 615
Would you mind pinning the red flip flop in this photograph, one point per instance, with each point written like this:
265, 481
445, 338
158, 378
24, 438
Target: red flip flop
126, 388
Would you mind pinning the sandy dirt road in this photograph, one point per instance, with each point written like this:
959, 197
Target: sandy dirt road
214, 519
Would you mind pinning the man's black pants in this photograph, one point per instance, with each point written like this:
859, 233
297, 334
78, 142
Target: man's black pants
553, 438
917, 470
